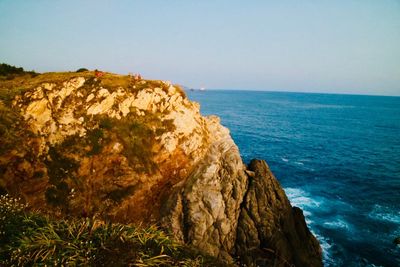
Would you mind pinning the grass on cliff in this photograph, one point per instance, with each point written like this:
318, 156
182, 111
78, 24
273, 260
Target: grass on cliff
18, 84
13, 130
32, 239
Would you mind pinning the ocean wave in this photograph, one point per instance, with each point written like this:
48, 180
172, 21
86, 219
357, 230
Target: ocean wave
338, 223
299, 163
326, 249
387, 214
301, 199
319, 106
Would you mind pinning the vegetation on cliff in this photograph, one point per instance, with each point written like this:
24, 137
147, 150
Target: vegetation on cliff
10, 72
30, 238
81, 144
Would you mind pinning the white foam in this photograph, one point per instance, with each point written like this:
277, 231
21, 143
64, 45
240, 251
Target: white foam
339, 223
294, 192
321, 106
299, 163
285, 159
381, 213
326, 247
301, 199
306, 213
308, 221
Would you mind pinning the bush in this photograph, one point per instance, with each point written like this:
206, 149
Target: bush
31, 239
82, 70
13, 131
59, 169
6, 69
11, 71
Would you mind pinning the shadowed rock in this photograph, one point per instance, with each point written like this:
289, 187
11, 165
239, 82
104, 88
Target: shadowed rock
270, 231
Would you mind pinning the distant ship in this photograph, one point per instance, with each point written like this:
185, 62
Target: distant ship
195, 89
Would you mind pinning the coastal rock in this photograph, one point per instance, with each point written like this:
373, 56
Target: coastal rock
138, 151
116, 148
204, 210
270, 231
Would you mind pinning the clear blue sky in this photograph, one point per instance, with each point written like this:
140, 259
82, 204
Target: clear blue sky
313, 46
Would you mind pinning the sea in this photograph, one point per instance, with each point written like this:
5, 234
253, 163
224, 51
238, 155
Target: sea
336, 156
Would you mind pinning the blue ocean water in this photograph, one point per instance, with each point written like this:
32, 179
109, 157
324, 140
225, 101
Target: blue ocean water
338, 158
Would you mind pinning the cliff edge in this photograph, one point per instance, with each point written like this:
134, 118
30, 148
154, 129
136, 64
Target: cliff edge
133, 150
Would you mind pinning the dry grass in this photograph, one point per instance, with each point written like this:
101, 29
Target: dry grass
31, 239
10, 87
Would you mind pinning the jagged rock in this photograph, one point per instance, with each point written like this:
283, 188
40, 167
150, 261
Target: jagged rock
204, 210
270, 231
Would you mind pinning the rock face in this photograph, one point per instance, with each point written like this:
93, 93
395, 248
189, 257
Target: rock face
139, 151
270, 231
204, 210
96, 147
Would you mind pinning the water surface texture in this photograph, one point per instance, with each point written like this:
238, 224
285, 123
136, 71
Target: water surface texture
338, 158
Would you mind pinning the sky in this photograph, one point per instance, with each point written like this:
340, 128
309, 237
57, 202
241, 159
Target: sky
304, 46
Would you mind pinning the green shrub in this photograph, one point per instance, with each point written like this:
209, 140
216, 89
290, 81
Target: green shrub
13, 131
82, 70
8, 95
59, 169
95, 138
10, 72
31, 239
6, 69
106, 123
119, 194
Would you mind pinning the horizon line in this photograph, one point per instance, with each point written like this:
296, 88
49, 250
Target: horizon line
286, 91
187, 88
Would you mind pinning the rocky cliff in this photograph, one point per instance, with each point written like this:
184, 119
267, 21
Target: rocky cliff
270, 231
133, 150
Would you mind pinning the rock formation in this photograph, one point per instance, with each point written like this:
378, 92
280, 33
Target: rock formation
139, 151
270, 231
204, 209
